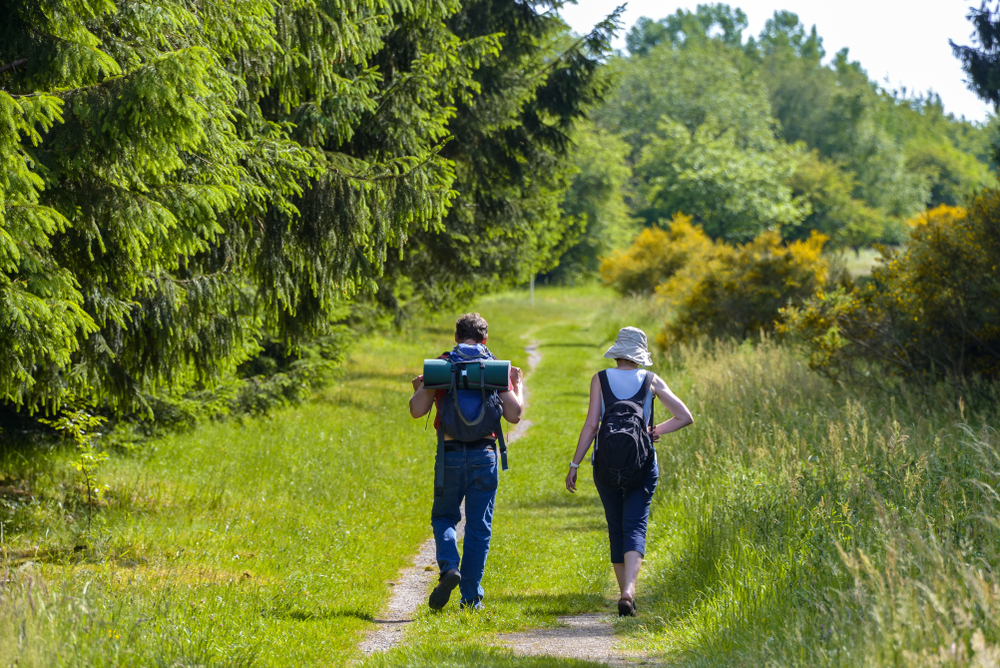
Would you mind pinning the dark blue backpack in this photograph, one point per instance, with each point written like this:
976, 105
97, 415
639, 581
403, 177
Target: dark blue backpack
458, 421
624, 452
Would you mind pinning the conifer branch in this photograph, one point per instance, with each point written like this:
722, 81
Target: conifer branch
609, 24
62, 94
387, 177
14, 65
195, 279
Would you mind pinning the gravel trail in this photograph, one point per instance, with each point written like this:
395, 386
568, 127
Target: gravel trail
586, 637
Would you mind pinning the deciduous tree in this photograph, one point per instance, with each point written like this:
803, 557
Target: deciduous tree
734, 190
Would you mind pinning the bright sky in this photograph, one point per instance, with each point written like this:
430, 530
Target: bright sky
905, 41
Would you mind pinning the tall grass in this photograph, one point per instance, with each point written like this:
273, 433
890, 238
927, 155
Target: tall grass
804, 524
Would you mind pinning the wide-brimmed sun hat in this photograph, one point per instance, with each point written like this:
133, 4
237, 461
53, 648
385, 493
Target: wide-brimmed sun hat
630, 345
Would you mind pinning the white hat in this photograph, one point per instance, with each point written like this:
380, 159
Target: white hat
630, 345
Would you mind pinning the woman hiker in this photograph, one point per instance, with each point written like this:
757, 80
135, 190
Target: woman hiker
626, 470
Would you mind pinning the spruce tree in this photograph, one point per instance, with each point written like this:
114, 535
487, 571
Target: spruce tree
510, 153
180, 178
982, 61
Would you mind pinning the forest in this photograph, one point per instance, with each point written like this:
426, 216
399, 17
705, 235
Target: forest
231, 230
202, 195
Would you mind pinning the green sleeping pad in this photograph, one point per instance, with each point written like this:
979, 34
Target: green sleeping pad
437, 374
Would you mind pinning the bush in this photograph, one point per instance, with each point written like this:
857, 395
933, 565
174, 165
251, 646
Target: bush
655, 256
180, 410
741, 291
929, 313
943, 215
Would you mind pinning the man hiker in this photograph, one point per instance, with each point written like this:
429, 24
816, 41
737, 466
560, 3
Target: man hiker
469, 467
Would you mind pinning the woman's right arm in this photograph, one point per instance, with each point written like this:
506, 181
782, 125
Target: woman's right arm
589, 431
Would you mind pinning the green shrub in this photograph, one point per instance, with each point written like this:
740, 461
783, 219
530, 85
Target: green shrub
740, 291
929, 312
278, 376
179, 410
654, 256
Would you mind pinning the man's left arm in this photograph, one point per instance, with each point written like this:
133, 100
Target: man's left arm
513, 400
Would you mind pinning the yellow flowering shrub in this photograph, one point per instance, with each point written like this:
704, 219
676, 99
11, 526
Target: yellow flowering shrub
654, 256
738, 292
939, 215
929, 312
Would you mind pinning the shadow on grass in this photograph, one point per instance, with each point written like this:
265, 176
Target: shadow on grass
557, 499
63, 555
559, 605
437, 655
317, 615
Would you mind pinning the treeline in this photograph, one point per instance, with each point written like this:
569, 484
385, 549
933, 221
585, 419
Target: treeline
761, 157
748, 134
185, 186
201, 206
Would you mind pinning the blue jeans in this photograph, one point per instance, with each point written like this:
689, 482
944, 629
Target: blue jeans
470, 473
627, 512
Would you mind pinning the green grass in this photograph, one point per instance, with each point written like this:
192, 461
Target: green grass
449, 654
796, 523
267, 541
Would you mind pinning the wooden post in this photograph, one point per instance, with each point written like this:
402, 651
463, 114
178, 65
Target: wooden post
532, 291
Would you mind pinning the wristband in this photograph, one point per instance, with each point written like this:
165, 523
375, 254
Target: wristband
574, 466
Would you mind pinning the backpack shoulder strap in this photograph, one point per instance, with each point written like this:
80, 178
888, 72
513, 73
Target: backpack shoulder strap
609, 396
439, 464
502, 445
643, 393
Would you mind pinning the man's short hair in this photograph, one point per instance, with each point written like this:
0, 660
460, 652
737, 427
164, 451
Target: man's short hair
471, 326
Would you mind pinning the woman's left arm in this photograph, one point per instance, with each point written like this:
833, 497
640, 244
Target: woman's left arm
681, 415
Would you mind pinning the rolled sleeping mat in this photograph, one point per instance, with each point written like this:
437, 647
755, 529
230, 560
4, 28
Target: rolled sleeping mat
437, 374
497, 375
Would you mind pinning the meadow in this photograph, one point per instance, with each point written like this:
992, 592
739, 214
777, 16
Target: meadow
857, 263
796, 523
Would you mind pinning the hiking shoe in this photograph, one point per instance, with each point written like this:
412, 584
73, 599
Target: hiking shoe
439, 597
474, 604
626, 607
